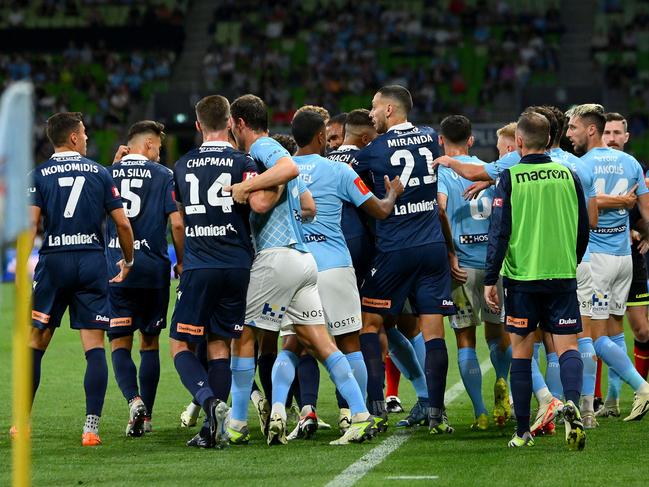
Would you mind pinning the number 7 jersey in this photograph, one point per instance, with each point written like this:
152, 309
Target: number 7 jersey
217, 234
74, 195
405, 151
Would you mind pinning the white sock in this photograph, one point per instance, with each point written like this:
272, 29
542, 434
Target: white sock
193, 409
644, 388
92, 424
544, 396
587, 405
360, 417
256, 396
236, 424
279, 408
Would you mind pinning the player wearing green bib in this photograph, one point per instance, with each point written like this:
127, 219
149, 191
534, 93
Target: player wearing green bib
538, 235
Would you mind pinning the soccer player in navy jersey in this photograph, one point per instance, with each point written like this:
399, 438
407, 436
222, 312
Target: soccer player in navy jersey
336, 131
283, 287
211, 298
72, 196
140, 304
413, 248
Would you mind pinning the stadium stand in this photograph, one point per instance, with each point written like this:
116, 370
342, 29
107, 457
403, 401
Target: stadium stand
333, 55
80, 72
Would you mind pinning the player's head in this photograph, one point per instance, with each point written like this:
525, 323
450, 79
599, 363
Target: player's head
616, 133
286, 141
65, 130
532, 133
308, 130
145, 138
249, 119
212, 114
322, 111
336, 131
455, 131
552, 120
359, 129
586, 126
562, 123
390, 106
506, 139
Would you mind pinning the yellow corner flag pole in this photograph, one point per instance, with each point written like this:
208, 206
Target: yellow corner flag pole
22, 366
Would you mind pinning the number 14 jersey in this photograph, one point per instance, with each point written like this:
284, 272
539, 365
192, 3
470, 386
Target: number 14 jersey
408, 152
217, 233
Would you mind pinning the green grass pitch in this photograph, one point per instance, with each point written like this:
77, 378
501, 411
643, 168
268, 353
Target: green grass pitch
615, 454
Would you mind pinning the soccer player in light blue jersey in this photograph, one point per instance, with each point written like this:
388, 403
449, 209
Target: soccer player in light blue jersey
283, 285
615, 173
470, 226
332, 183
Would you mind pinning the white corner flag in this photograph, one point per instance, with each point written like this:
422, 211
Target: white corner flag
16, 157
16, 160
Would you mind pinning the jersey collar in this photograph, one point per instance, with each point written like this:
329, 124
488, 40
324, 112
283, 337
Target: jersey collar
347, 147
67, 153
134, 157
401, 126
217, 143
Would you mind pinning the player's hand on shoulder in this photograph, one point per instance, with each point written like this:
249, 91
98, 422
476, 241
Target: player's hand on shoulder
395, 186
443, 161
492, 299
123, 272
475, 189
457, 272
122, 151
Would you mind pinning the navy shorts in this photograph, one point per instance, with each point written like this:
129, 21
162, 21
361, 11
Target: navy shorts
134, 309
361, 249
210, 301
556, 313
72, 280
419, 274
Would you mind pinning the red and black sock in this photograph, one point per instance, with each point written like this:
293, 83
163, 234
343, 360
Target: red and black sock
641, 356
392, 378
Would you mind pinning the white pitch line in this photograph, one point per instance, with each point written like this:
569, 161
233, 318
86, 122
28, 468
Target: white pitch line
413, 477
376, 455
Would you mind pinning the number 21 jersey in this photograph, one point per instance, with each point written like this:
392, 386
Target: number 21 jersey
217, 233
408, 152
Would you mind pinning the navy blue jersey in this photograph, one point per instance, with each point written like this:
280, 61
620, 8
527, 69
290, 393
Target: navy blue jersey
217, 233
353, 221
147, 192
74, 195
408, 152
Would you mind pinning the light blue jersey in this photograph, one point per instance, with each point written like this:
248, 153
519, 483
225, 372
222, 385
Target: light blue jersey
494, 169
615, 172
585, 174
469, 219
281, 226
330, 183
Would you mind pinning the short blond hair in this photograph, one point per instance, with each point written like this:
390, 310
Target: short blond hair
323, 112
507, 131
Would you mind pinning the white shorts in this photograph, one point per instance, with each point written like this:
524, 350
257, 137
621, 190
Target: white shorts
340, 300
472, 309
283, 290
585, 289
612, 276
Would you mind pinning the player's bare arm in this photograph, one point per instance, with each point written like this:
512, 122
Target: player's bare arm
476, 188
472, 172
178, 238
381, 209
617, 202
35, 219
281, 173
264, 200
125, 234
457, 272
307, 203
